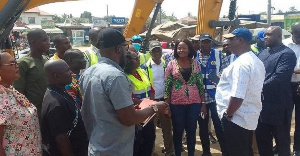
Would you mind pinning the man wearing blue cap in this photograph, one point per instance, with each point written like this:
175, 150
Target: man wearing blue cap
275, 117
259, 46
238, 94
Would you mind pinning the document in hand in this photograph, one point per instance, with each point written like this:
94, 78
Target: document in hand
144, 104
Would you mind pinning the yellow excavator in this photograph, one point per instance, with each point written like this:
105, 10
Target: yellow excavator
208, 15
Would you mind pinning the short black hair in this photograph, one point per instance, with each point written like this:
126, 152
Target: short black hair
71, 54
58, 38
34, 34
192, 52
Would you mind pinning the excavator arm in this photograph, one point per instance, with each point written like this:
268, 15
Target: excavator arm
141, 11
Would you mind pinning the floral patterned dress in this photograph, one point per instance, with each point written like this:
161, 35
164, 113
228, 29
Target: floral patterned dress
22, 131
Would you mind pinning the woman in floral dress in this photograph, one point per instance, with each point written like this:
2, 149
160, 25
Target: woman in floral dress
184, 92
19, 124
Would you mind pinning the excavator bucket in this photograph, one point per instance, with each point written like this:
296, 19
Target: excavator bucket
208, 10
140, 14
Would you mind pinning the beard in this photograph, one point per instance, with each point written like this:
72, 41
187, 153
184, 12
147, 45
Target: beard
122, 60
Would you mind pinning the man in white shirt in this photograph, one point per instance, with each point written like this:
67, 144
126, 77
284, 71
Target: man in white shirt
155, 68
238, 94
294, 44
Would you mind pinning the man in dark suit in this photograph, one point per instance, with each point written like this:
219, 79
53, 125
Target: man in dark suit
276, 114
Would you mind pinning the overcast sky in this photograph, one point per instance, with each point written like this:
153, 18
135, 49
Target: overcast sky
180, 8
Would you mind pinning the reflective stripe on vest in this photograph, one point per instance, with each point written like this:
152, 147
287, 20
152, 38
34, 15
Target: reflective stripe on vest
149, 69
140, 87
91, 56
254, 49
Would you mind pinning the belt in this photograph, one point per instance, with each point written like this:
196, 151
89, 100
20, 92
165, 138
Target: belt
160, 99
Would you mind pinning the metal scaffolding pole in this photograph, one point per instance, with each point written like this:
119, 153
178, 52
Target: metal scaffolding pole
269, 11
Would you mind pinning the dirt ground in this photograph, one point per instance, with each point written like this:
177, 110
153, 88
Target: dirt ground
215, 148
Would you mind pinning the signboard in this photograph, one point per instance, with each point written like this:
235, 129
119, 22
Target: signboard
100, 22
47, 24
118, 20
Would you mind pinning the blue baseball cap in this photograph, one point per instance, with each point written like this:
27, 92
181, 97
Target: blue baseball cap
261, 35
240, 32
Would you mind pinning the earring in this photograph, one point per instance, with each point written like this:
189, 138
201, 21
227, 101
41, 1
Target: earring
0, 78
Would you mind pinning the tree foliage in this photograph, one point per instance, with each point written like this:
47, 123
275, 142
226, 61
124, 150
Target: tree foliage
88, 15
292, 9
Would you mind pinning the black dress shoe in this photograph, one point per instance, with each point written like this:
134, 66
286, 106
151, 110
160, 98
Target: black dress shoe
296, 153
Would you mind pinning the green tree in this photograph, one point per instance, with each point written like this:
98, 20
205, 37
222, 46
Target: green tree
87, 14
293, 9
280, 11
57, 19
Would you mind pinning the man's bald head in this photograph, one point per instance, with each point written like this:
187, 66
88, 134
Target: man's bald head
75, 59
58, 72
296, 33
273, 37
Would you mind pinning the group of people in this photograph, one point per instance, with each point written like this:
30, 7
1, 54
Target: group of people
89, 103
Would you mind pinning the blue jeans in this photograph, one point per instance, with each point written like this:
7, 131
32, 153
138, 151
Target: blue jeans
184, 117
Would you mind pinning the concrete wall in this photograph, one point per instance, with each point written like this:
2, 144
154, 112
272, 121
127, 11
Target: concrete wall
38, 18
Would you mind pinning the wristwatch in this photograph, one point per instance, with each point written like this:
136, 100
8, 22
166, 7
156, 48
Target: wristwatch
155, 109
227, 116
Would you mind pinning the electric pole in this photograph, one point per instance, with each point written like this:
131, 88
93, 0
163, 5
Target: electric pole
269, 11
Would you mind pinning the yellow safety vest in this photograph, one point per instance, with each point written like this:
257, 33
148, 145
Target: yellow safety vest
144, 57
254, 49
149, 69
92, 57
140, 87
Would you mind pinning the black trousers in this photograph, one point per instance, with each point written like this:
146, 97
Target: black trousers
203, 128
238, 141
144, 140
296, 100
264, 137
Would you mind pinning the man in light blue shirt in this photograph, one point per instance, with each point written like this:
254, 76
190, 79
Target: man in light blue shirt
107, 110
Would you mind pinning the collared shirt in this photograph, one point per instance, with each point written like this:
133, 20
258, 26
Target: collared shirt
296, 48
242, 79
61, 115
22, 134
158, 79
32, 82
105, 89
203, 59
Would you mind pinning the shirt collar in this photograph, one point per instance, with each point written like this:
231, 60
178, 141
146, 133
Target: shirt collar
153, 63
111, 62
